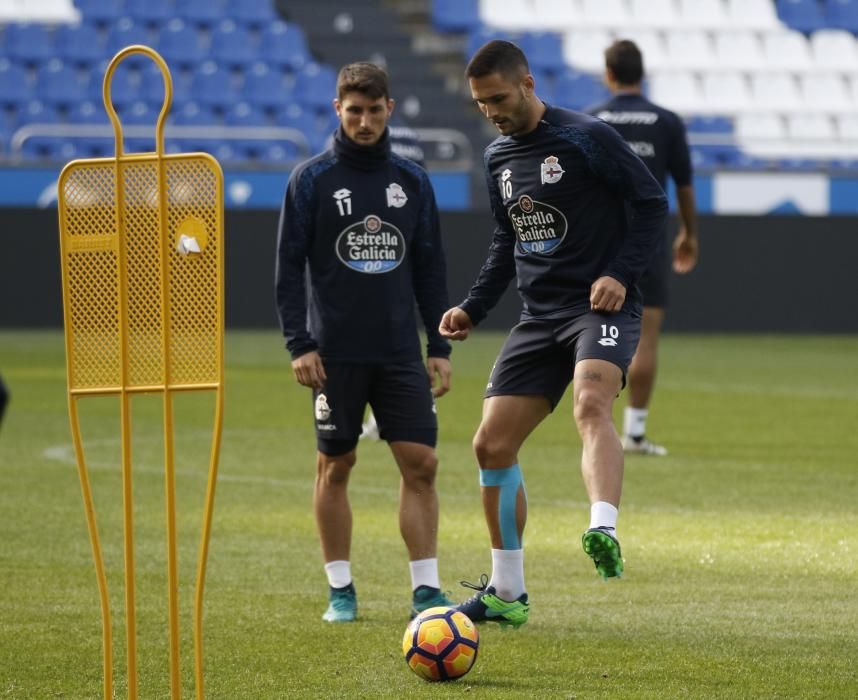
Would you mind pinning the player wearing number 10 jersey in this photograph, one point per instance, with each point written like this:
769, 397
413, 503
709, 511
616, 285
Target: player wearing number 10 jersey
577, 215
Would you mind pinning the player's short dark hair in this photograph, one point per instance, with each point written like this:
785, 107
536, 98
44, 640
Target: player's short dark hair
624, 59
366, 78
498, 56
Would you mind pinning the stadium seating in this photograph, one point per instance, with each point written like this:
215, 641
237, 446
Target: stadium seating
779, 73
237, 60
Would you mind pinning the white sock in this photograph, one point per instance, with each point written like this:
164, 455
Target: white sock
339, 573
603, 514
424, 572
634, 421
508, 573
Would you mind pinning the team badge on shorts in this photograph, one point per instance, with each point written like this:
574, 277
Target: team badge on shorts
551, 170
323, 410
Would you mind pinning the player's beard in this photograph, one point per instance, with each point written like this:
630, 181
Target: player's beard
516, 123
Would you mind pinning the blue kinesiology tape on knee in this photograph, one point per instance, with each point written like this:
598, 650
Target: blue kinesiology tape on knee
509, 480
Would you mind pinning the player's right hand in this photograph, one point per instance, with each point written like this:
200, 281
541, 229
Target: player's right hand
455, 324
309, 370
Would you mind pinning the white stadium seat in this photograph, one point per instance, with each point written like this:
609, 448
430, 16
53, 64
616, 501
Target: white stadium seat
762, 126
514, 15
585, 49
689, 49
703, 14
725, 92
605, 13
810, 127
826, 92
737, 49
833, 49
776, 92
753, 14
556, 15
659, 14
678, 91
786, 50
847, 128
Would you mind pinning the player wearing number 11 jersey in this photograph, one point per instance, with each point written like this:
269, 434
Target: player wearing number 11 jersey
577, 215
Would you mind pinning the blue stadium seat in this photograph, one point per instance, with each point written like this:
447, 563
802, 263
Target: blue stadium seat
284, 45
125, 33
803, 15
455, 15
222, 150
150, 12
280, 152
842, 14
29, 43
193, 113
140, 145
138, 113
49, 148
211, 85
37, 112
544, 51
266, 87
579, 90
125, 85
101, 12
59, 84
232, 45
181, 44
96, 146
79, 44
253, 13
709, 125
203, 13
245, 114
15, 89
316, 85
88, 112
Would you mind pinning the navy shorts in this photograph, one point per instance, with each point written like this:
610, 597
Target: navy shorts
539, 356
400, 396
655, 281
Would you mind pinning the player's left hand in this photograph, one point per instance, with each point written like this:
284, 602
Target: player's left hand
439, 367
686, 251
607, 295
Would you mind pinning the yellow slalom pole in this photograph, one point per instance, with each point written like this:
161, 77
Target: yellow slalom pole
92, 526
141, 238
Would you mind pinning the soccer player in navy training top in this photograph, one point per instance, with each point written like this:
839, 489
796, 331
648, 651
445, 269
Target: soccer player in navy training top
658, 137
361, 223
576, 215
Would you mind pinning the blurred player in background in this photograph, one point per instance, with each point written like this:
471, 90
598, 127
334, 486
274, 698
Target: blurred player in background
361, 223
658, 137
559, 185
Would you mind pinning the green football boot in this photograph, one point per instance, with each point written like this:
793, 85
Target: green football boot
486, 606
602, 546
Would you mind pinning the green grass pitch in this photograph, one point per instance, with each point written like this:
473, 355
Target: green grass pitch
741, 546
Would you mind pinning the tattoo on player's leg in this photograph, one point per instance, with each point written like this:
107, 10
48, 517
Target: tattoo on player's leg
592, 375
